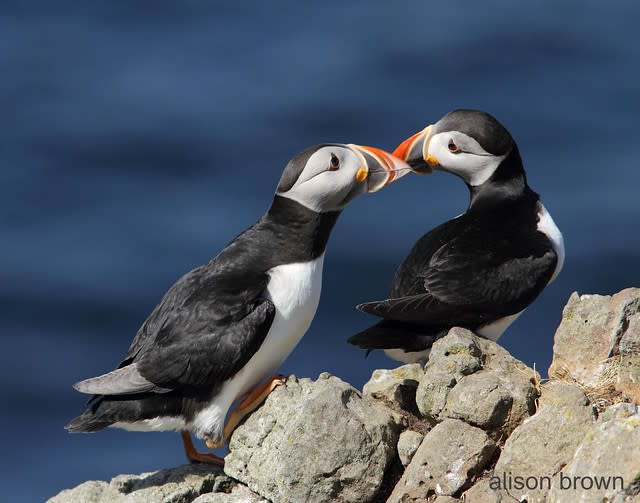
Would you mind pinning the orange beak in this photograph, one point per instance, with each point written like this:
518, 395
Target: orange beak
380, 168
415, 151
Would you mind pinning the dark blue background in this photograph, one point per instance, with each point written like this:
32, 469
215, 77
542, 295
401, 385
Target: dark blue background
138, 139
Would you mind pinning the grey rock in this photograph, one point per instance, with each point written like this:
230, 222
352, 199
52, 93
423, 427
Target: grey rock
543, 444
239, 494
433, 390
562, 394
607, 455
519, 381
395, 385
408, 444
446, 462
628, 375
459, 352
630, 341
453, 356
178, 485
477, 381
479, 399
591, 329
619, 411
446, 499
481, 492
314, 441
91, 491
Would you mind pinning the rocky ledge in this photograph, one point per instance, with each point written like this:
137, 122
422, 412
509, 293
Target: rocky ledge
474, 425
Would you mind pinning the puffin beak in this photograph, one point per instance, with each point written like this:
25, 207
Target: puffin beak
415, 152
379, 168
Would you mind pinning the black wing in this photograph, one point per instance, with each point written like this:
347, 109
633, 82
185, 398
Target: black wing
205, 329
470, 280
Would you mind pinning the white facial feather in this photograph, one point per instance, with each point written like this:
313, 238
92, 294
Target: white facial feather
473, 163
321, 189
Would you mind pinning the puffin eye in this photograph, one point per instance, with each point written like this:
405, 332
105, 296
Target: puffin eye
453, 148
335, 162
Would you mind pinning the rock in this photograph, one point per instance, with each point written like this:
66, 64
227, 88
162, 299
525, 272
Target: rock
561, 394
482, 493
479, 399
475, 380
453, 356
618, 411
628, 375
630, 341
605, 467
314, 441
408, 444
518, 380
445, 463
178, 485
396, 385
458, 352
446, 499
540, 447
433, 390
91, 491
239, 494
590, 332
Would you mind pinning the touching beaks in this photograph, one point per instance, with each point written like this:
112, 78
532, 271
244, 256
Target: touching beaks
379, 168
415, 152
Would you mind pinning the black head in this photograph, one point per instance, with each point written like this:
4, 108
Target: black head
484, 128
468, 143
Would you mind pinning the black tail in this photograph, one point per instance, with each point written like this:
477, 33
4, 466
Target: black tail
390, 334
93, 419
88, 422
106, 410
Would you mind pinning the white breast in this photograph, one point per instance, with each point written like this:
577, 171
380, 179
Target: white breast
547, 226
295, 291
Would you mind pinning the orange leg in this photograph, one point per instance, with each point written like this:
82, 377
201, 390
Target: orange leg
247, 406
198, 457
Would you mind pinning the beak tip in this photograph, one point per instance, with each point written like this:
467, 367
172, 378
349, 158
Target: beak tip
408, 150
388, 168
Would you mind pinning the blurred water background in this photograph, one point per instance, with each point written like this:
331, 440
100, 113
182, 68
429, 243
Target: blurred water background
137, 139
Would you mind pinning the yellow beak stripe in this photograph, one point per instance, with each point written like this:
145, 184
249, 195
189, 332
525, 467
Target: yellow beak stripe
362, 175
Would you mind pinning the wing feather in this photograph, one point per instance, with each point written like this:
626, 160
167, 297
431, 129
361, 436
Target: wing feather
465, 282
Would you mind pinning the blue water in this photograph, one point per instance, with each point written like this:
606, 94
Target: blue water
137, 139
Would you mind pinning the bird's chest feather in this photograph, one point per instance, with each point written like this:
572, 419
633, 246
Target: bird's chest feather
294, 289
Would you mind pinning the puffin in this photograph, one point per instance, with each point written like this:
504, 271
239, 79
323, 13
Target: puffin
480, 270
221, 331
